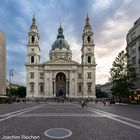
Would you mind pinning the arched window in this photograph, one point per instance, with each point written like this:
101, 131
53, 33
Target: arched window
89, 59
33, 39
88, 38
32, 59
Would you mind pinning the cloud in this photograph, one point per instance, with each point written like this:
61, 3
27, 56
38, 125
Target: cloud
102, 4
111, 38
110, 20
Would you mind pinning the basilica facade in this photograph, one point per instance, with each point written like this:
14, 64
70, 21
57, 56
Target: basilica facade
60, 76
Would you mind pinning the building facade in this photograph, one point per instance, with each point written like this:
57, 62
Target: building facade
60, 76
133, 49
2, 63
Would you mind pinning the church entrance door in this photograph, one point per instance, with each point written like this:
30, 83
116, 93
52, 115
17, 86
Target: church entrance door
60, 85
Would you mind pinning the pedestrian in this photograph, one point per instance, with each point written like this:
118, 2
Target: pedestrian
104, 102
85, 104
82, 103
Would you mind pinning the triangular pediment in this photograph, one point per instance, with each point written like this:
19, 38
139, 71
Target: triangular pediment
61, 61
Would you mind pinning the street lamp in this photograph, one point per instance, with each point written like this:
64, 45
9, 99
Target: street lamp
10, 75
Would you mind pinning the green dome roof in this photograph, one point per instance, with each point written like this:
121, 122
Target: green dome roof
60, 43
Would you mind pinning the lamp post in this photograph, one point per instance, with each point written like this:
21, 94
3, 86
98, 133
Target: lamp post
10, 75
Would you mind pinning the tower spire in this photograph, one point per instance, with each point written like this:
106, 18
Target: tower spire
33, 26
60, 25
87, 27
60, 32
33, 20
87, 21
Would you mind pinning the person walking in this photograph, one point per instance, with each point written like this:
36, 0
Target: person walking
82, 103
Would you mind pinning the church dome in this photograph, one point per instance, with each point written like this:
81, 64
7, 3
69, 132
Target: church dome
60, 47
60, 43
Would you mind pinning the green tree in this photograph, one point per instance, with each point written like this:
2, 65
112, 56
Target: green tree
100, 94
123, 76
18, 92
11, 91
21, 91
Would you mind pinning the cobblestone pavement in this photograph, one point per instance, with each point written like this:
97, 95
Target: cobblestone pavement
96, 122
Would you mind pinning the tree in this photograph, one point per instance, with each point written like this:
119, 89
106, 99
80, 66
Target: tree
11, 91
21, 91
18, 92
100, 94
123, 76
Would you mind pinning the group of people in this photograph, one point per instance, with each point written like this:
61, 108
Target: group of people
84, 103
106, 101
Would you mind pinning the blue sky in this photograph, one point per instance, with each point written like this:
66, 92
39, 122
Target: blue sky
110, 20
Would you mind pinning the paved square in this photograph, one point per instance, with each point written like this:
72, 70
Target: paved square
96, 122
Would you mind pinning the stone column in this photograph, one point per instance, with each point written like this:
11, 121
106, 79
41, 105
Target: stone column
67, 88
53, 88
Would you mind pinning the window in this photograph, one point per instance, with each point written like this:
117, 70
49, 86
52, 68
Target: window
88, 38
134, 49
32, 59
33, 39
89, 59
139, 61
134, 60
32, 49
89, 86
41, 75
133, 35
31, 74
139, 48
41, 87
79, 75
79, 88
89, 74
32, 87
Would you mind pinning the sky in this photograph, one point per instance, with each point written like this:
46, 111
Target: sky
110, 20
